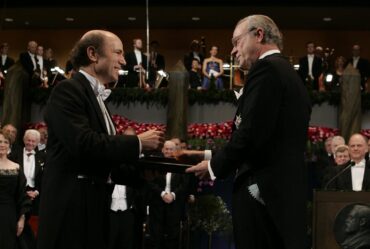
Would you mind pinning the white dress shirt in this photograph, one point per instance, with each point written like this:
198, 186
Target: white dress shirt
138, 56
355, 61
119, 201
167, 189
357, 174
29, 167
3, 59
310, 63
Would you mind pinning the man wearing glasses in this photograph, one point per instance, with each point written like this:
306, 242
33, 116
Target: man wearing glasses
269, 196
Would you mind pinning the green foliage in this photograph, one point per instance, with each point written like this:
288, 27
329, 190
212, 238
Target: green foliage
210, 214
159, 97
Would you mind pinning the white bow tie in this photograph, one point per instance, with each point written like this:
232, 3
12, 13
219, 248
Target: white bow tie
102, 92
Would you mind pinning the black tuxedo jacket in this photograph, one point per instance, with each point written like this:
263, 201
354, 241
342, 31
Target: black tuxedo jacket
27, 62
272, 118
131, 61
344, 181
316, 69
73, 210
8, 63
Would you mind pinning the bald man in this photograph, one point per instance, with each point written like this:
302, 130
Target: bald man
83, 148
357, 177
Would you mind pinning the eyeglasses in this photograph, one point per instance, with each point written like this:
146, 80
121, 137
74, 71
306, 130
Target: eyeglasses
235, 40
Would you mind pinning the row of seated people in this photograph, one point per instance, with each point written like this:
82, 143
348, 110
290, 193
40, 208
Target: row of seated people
344, 167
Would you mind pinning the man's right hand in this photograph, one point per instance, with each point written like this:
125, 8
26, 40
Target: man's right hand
189, 156
151, 139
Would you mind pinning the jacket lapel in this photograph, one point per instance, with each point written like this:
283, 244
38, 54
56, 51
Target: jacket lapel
91, 95
366, 180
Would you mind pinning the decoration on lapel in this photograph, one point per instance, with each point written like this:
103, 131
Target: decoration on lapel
238, 120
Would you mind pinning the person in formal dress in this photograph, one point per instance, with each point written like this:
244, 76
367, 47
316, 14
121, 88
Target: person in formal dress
194, 53
127, 212
14, 147
213, 70
166, 205
269, 195
195, 78
6, 62
356, 177
341, 155
310, 67
136, 64
43, 71
32, 164
357, 228
30, 64
14, 203
361, 64
83, 148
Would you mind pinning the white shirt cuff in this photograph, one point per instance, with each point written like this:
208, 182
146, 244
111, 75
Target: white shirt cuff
140, 147
207, 154
174, 195
163, 193
211, 174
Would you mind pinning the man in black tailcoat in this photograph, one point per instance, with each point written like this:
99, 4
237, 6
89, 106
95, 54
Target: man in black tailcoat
83, 148
269, 195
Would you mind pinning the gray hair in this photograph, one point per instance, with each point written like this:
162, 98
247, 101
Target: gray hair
32, 132
272, 34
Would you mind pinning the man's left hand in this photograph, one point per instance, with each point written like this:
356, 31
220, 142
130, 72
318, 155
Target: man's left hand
200, 170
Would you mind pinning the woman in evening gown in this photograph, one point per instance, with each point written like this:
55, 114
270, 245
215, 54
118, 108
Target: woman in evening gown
212, 69
13, 200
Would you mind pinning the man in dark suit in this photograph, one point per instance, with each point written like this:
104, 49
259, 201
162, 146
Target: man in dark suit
356, 177
310, 67
136, 64
361, 64
6, 61
193, 54
166, 206
269, 195
30, 63
83, 148
32, 164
